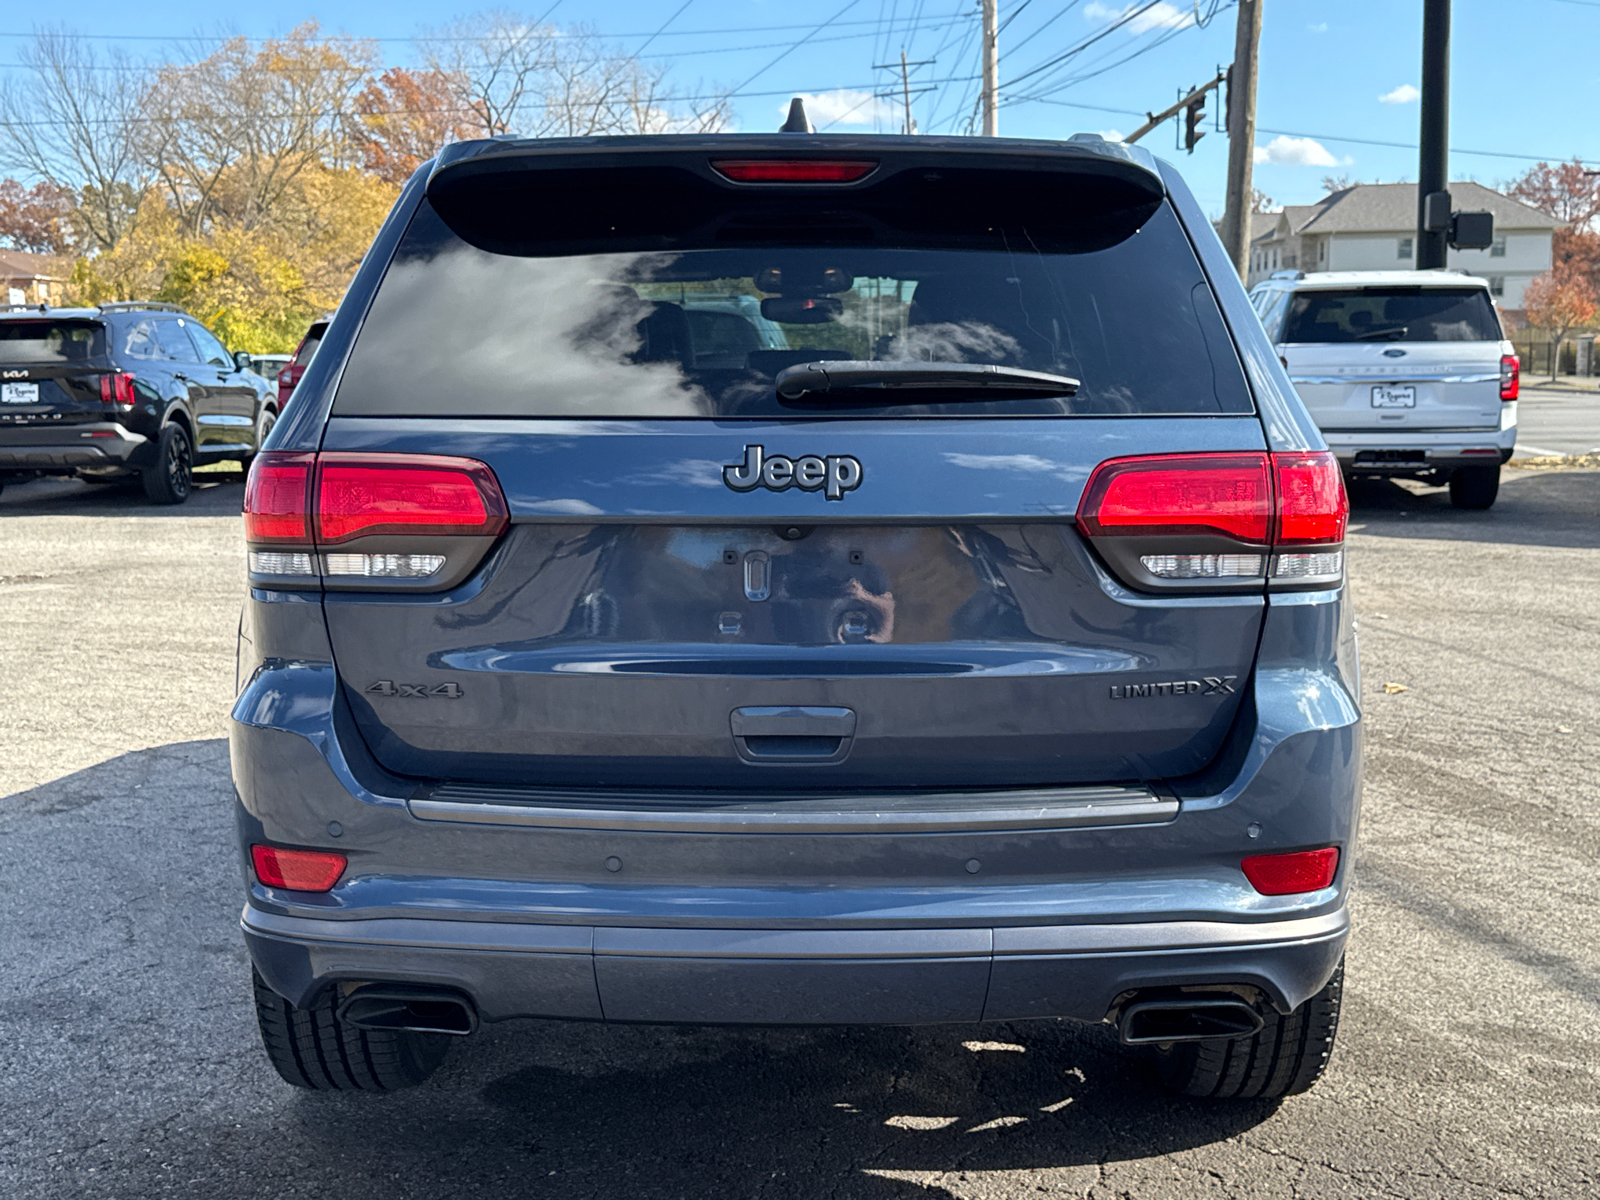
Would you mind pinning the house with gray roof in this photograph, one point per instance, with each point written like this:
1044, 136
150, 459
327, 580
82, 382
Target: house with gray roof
1373, 226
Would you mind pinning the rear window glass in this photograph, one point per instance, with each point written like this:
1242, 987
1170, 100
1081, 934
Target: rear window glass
51, 341
308, 345
700, 322
1392, 314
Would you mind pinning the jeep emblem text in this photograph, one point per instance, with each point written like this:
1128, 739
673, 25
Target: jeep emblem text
833, 475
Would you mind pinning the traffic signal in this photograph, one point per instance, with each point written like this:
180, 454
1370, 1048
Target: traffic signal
1192, 116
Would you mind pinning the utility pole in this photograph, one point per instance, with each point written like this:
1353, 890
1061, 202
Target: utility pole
1433, 168
1242, 135
991, 69
905, 84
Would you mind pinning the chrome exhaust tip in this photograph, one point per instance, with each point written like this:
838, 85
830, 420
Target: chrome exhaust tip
413, 1009
1180, 1020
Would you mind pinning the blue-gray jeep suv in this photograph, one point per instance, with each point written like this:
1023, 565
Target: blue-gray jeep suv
968, 642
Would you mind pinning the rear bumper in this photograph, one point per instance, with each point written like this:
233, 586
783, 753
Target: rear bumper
63, 449
1378, 452
801, 977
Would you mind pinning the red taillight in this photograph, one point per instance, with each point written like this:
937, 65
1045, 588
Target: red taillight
1312, 506
1229, 494
297, 870
360, 494
118, 390
1291, 874
1206, 520
1510, 376
811, 170
277, 500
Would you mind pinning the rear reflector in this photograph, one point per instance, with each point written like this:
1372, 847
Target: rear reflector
1230, 494
297, 870
812, 170
359, 495
1291, 874
276, 498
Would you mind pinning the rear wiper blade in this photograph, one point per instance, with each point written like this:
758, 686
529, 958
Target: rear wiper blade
848, 374
1393, 334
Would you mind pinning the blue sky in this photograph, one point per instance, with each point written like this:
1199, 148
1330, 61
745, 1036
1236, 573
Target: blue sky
1331, 73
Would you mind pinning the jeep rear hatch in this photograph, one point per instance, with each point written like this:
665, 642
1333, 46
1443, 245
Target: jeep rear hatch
708, 584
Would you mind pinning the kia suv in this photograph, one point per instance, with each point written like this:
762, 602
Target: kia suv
981, 652
127, 391
1406, 372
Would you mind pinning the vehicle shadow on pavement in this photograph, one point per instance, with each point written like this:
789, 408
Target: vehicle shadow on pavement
1535, 508
134, 1067
216, 494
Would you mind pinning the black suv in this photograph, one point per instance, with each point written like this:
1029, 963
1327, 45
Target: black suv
124, 390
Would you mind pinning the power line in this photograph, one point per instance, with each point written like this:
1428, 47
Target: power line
1322, 137
815, 29
663, 28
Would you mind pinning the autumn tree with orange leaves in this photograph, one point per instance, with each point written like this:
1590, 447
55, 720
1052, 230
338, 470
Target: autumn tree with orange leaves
1560, 300
403, 118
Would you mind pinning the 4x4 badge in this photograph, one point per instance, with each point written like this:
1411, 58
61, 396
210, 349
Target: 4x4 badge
415, 691
833, 474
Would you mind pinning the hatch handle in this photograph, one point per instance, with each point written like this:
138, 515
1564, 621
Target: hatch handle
792, 733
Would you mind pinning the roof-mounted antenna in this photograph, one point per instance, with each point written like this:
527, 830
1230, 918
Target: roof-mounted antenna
798, 122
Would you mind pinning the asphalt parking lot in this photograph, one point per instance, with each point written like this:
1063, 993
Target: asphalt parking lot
1468, 1063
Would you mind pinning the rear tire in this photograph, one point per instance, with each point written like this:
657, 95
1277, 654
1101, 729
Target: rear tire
1285, 1058
1474, 487
168, 480
312, 1048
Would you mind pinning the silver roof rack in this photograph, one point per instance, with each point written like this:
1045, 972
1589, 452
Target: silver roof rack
138, 306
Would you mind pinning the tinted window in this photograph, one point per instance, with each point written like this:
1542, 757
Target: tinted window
175, 343
51, 341
211, 350
1392, 314
691, 324
308, 345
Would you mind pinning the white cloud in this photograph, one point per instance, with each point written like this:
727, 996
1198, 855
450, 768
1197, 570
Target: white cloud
1320, 28
1112, 135
845, 106
1404, 94
1162, 16
1296, 152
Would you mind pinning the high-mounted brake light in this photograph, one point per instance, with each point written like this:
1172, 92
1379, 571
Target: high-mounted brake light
1291, 874
1510, 376
1216, 517
117, 390
297, 870
808, 170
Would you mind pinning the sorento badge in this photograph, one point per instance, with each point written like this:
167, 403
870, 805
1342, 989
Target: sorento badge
833, 474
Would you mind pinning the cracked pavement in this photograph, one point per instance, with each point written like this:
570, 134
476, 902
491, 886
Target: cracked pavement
1467, 1064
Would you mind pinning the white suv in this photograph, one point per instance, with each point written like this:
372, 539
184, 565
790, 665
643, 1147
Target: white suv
1406, 372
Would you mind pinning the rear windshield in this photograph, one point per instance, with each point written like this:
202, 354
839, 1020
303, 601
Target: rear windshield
527, 320
37, 341
308, 344
1392, 314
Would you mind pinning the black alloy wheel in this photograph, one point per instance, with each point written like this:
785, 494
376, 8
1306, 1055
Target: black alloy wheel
169, 479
